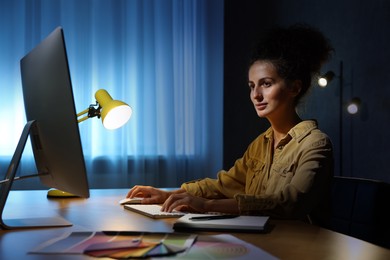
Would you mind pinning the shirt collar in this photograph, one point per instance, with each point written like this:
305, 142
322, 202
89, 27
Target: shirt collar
298, 132
302, 129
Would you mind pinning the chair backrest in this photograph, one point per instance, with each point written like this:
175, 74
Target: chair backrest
360, 208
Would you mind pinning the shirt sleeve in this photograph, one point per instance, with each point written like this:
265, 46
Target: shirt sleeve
227, 185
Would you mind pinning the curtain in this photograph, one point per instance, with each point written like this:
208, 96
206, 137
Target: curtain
163, 57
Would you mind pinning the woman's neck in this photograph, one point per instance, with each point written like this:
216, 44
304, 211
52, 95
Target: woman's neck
283, 125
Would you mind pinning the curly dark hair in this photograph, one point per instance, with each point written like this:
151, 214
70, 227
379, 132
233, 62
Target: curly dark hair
297, 52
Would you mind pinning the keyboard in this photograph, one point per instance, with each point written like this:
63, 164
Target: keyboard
153, 211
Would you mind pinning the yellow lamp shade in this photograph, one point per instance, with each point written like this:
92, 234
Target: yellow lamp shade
114, 113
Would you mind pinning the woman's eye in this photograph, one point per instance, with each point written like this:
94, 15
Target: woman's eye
264, 84
267, 84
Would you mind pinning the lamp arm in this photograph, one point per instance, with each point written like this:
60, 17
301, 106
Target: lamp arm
83, 112
92, 112
82, 119
79, 120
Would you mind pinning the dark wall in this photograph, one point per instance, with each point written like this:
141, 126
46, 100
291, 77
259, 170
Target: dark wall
359, 31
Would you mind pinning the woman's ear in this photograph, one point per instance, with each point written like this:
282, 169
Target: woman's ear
296, 87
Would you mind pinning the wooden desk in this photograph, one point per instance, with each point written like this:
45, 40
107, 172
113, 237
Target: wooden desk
287, 240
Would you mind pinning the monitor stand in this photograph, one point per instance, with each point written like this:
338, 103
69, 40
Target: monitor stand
6, 185
24, 223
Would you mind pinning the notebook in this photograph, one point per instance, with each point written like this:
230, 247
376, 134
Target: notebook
152, 211
250, 224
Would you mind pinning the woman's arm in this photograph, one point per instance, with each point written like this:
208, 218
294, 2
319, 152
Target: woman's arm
186, 202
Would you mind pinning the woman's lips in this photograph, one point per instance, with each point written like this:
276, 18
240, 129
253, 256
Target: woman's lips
261, 106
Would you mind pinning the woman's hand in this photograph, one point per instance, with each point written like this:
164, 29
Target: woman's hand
185, 202
150, 194
182, 201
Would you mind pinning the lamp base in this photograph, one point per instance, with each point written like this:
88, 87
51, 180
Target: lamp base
54, 193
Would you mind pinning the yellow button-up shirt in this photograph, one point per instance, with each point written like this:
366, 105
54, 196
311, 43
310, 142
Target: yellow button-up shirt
290, 181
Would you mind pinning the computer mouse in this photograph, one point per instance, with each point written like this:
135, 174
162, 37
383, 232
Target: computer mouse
54, 193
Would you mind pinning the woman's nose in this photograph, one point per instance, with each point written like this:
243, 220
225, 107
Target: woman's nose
257, 92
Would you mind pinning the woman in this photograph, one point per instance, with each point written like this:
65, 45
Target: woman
286, 172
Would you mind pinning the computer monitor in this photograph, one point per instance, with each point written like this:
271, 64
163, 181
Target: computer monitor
52, 125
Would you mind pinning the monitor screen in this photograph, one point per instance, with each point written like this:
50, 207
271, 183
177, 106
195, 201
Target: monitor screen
48, 99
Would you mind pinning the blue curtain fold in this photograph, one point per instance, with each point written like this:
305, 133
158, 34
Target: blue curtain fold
163, 57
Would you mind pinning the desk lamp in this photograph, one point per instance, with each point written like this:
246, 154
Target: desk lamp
114, 114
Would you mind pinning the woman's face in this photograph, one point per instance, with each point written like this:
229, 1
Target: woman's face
271, 96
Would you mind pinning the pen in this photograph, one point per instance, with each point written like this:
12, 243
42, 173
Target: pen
213, 217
